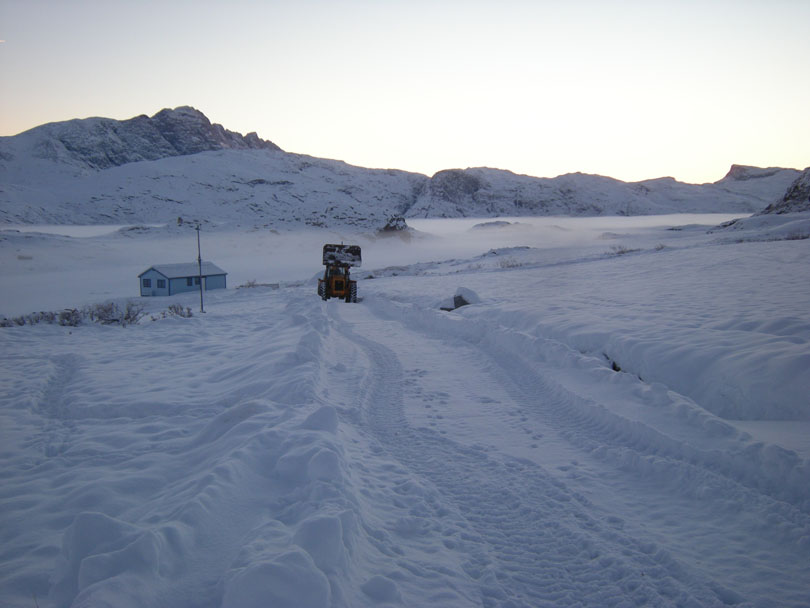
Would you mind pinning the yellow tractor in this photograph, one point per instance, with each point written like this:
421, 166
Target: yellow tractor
336, 282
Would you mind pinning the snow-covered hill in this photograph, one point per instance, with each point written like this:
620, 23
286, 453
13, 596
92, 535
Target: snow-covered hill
786, 218
490, 193
240, 187
178, 164
796, 199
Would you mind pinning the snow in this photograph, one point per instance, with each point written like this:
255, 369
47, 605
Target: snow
618, 417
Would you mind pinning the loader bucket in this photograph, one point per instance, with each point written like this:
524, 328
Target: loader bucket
344, 255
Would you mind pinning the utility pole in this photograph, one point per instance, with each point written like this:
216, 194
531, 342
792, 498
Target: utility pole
199, 268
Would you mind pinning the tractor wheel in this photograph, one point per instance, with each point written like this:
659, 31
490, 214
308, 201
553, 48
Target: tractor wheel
322, 290
352, 295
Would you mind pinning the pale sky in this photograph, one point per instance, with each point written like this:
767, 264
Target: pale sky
628, 89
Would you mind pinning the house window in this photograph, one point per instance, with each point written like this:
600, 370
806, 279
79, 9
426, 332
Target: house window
161, 283
196, 280
189, 281
147, 282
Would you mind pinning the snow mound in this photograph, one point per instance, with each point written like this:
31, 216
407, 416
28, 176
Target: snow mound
323, 419
770, 227
288, 581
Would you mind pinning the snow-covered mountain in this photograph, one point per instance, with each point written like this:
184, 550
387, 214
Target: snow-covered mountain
101, 143
485, 192
178, 164
786, 218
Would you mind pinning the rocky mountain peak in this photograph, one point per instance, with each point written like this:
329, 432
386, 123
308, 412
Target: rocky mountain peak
744, 172
454, 184
100, 143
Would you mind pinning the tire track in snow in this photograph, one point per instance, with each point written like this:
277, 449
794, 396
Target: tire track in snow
696, 509
530, 540
53, 407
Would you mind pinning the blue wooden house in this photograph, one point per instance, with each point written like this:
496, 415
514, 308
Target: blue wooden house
170, 279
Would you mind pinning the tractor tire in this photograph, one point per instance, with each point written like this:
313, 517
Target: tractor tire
352, 295
322, 290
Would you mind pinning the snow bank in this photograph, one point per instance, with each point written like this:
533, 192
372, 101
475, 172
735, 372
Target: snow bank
658, 418
772, 227
159, 488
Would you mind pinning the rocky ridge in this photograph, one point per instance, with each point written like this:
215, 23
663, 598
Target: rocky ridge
484, 192
795, 200
101, 143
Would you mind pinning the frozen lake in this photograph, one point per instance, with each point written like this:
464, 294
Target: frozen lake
54, 267
65, 230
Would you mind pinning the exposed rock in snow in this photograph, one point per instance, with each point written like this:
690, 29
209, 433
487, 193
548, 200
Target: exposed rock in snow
483, 192
743, 173
488, 225
397, 227
454, 189
395, 224
462, 297
498, 224
796, 199
786, 219
100, 143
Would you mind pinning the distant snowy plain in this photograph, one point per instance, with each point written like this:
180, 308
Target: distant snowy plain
621, 418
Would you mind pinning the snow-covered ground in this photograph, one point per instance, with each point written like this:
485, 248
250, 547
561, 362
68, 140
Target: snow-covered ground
621, 418
52, 267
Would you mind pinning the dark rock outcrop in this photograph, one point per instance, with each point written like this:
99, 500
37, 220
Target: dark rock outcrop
101, 143
484, 192
796, 199
396, 223
741, 173
454, 185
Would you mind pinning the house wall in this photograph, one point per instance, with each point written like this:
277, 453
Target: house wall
180, 285
215, 281
153, 276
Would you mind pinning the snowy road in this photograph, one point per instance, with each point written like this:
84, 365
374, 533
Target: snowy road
542, 514
521, 531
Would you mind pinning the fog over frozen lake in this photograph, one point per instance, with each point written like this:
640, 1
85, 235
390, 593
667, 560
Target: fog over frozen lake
54, 267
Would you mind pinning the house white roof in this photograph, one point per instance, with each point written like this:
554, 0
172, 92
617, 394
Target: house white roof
189, 269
